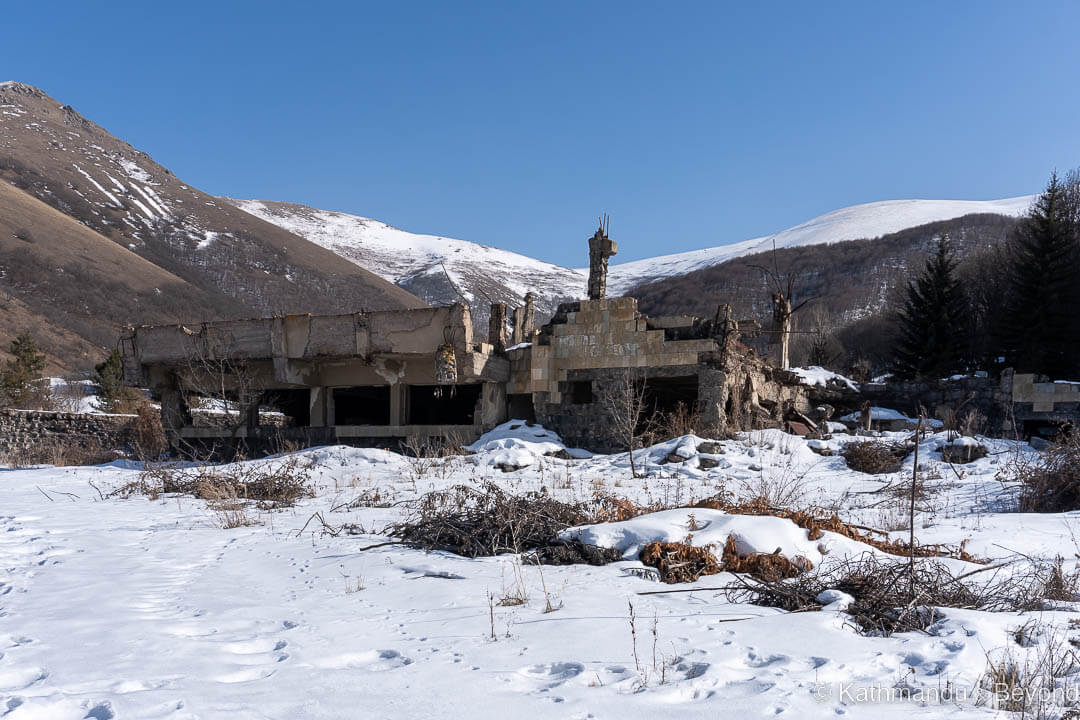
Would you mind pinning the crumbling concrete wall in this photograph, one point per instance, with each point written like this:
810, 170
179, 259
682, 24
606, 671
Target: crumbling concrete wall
590, 346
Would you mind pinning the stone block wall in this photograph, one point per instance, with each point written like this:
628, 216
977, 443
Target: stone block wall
29, 429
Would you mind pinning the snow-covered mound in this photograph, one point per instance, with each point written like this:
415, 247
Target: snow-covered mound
751, 533
819, 376
517, 444
881, 414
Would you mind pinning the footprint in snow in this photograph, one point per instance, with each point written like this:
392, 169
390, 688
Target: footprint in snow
245, 675
101, 711
372, 660
21, 678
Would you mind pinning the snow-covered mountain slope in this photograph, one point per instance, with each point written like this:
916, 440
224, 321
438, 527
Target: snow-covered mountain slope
423, 264
870, 220
437, 269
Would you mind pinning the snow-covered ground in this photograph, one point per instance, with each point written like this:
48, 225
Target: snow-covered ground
149, 608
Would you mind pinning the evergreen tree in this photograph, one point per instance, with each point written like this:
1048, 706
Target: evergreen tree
932, 325
25, 367
109, 376
1038, 330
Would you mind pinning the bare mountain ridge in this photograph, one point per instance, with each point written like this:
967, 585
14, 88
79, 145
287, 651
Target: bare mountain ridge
219, 260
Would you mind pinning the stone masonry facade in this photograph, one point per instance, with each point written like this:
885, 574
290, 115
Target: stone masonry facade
31, 429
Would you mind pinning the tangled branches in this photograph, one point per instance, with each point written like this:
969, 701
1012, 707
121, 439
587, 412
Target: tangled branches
881, 602
476, 522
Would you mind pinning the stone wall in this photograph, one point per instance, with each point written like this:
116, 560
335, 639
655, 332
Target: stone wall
992, 398
30, 429
584, 354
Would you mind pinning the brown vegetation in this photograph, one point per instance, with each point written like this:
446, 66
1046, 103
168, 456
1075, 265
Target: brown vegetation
1051, 484
272, 484
875, 458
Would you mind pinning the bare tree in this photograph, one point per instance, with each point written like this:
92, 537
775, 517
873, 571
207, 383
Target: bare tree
220, 380
783, 293
624, 405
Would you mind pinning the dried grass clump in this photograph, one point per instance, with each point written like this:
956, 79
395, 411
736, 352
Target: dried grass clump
270, 485
61, 452
147, 434
817, 524
682, 562
679, 562
483, 521
763, 566
1053, 483
875, 458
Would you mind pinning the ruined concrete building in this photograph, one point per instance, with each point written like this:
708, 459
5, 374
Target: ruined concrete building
380, 378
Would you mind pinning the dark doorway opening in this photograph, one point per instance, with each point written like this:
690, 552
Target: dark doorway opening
441, 405
581, 392
1047, 429
294, 404
669, 395
520, 407
362, 405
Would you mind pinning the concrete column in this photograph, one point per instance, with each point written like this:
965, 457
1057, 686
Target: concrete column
492, 405
317, 407
497, 327
398, 404
328, 402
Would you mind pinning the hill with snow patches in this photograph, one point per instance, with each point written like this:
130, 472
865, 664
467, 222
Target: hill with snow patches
441, 269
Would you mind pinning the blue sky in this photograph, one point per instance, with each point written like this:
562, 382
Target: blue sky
516, 124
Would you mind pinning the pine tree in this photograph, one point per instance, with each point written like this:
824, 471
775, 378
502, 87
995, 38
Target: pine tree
109, 376
1038, 330
17, 381
932, 325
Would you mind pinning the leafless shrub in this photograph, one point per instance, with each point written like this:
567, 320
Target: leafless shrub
681, 421
882, 600
777, 487
269, 484
875, 458
484, 521
624, 408
148, 435
1027, 678
973, 423
1052, 483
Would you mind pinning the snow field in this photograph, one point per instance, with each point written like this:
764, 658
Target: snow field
138, 608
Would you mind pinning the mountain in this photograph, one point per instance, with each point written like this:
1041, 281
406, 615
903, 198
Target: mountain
866, 221
848, 280
440, 269
207, 258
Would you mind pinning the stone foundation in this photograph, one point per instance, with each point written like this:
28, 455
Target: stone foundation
30, 429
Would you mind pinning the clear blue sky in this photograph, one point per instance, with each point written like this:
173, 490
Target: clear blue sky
516, 124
